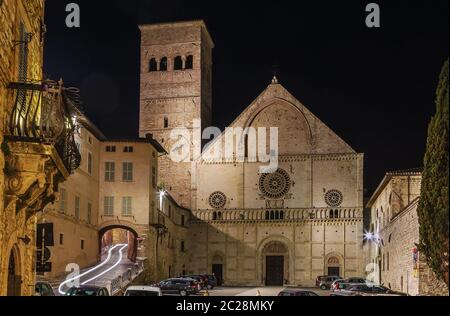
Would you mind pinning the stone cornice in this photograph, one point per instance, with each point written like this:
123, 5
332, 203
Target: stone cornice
294, 158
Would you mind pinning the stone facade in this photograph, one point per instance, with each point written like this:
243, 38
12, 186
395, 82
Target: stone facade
75, 213
312, 227
394, 224
29, 169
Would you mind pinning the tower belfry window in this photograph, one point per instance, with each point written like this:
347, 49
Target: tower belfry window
189, 62
153, 65
178, 63
163, 64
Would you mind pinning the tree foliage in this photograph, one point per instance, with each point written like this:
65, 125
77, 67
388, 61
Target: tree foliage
433, 205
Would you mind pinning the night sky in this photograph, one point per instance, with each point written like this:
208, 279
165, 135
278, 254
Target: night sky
374, 87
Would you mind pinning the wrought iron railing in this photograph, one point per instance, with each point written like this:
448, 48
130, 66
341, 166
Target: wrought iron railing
46, 112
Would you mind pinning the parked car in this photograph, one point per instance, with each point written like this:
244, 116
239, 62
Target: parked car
181, 286
374, 290
341, 284
212, 281
356, 280
319, 279
87, 291
202, 281
366, 290
296, 292
43, 289
325, 282
143, 290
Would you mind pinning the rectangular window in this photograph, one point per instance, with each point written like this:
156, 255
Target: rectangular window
110, 171
77, 207
63, 200
387, 263
111, 149
154, 177
61, 239
108, 206
82, 244
182, 246
166, 122
182, 220
89, 213
126, 206
127, 171
89, 163
128, 149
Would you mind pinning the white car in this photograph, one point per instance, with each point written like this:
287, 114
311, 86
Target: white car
143, 290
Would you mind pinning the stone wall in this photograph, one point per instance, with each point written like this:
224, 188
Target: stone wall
14, 225
395, 220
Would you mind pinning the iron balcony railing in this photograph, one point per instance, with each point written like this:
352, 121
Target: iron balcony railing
46, 112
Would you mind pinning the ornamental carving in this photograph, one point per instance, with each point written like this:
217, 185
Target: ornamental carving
275, 247
334, 198
217, 200
333, 260
275, 185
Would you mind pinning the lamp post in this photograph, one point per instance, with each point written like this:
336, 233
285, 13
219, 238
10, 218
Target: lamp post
375, 267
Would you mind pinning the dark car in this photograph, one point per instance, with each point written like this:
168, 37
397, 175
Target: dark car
374, 290
366, 290
180, 286
87, 291
202, 280
212, 281
296, 292
43, 289
326, 281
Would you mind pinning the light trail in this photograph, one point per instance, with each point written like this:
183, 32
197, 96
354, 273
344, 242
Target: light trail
110, 268
93, 269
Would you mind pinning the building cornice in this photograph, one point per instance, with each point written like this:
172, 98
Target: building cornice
387, 178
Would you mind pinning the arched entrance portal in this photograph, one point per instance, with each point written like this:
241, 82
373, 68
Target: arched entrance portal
333, 264
217, 268
276, 263
14, 276
118, 234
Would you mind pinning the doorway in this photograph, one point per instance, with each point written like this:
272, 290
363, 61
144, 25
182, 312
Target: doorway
14, 279
274, 270
217, 270
334, 271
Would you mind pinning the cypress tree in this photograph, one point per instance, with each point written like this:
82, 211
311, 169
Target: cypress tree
433, 205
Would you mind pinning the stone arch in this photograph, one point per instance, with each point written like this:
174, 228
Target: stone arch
218, 264
264, 249
126, 225
301, 130
334, 264
14, 271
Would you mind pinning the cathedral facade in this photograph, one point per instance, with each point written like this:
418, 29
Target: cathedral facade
286, 227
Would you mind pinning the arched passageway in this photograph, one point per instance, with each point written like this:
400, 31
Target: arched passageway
118, 234
14, 275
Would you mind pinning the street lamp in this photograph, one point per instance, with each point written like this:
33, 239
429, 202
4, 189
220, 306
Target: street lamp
162, 193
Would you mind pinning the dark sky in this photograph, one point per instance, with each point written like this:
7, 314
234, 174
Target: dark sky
374, 87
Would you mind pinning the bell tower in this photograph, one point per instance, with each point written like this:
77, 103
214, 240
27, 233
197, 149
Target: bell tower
175, 89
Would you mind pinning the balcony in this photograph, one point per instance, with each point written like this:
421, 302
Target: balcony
46, 113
